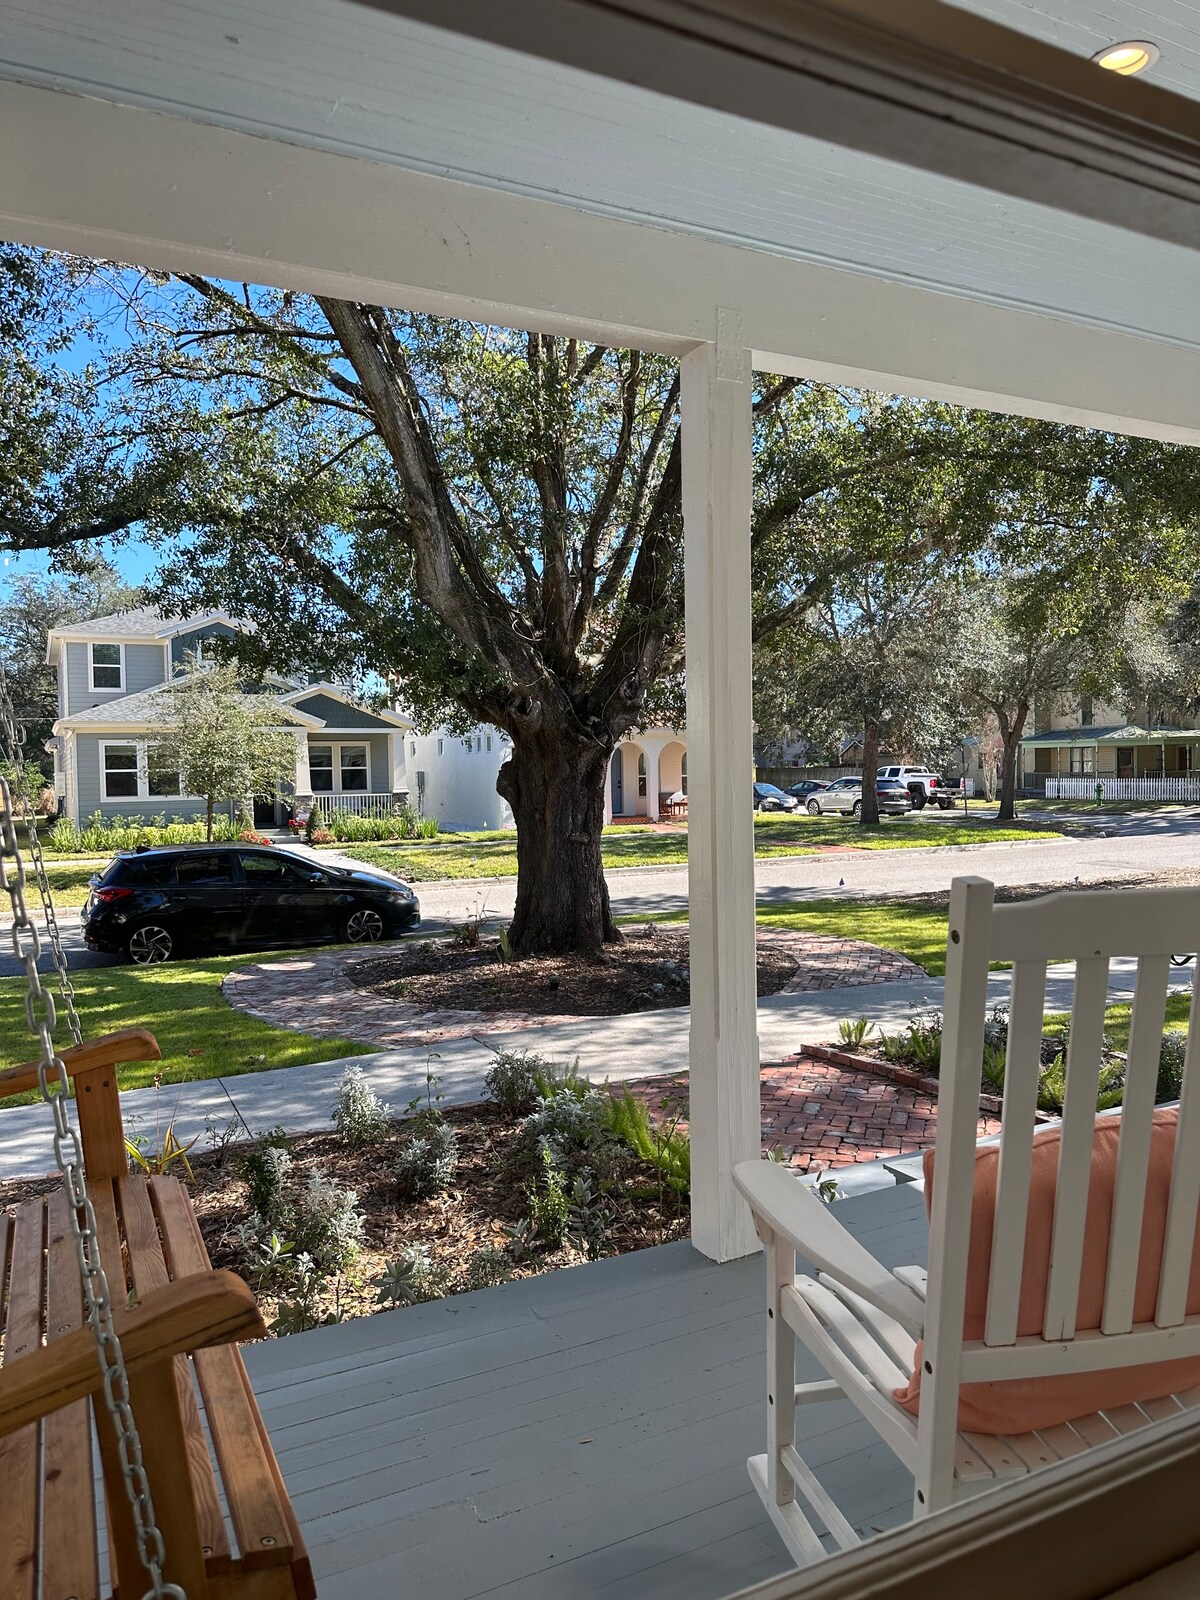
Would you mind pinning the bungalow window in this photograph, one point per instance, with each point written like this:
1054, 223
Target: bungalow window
320, 768
1183, 758
489, 741
642, 775
107, 666
119, 771
354, 768
338, 768
1042, 761
1083, 763
162, 774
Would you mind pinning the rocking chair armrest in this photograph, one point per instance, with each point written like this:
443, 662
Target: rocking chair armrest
208, 1308
131, 1044
781, 1203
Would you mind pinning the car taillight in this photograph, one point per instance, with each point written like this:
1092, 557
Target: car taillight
933, 783
105, 897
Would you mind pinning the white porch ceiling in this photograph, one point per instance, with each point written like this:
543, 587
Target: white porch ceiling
328, 75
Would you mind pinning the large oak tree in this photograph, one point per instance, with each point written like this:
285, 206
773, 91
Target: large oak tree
491, 519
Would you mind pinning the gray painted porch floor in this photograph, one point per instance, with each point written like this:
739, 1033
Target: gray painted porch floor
575, 1435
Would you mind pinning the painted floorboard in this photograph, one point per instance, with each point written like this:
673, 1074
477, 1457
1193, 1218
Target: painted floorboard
581, 1435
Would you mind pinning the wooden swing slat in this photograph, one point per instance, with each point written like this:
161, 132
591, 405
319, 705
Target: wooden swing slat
149, 1272
263, 1535
71, 1561
19, 1451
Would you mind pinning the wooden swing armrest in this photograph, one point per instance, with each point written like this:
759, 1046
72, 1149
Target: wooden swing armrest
789, 1209
192, 1313
131, 1044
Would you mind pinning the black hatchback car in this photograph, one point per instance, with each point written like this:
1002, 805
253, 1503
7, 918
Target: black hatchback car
149, 905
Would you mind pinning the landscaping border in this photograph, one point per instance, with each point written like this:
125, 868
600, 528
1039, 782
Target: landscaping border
991, 1103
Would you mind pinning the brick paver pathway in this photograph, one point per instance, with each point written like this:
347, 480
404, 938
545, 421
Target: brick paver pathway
312, 993
822, 1115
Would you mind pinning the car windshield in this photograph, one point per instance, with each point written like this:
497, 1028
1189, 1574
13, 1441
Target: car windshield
768, 788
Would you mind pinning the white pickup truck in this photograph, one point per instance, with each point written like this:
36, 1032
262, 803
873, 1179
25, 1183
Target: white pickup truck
925, 787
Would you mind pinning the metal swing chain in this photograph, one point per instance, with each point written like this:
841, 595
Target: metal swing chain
41, 1017
12, 744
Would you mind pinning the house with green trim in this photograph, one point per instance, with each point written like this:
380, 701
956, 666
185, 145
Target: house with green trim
1128, 760
112, 673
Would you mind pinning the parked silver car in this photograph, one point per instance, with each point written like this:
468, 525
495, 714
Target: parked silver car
844, 795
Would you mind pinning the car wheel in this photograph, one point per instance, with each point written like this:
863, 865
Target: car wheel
856, 809
148, 945
363, 926
814, 808
943, 805
918, 801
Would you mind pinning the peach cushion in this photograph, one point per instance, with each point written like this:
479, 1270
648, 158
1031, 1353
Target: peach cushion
1016, 1405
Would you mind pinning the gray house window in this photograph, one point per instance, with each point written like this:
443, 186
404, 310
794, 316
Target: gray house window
338, 768
119, 771
320, 768
107, 666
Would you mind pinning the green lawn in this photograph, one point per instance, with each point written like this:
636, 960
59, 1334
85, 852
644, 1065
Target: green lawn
791, 836
201, 1036
1116, 1019
918, 932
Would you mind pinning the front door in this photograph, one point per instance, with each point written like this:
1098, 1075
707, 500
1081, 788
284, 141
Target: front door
618, 785
265, 810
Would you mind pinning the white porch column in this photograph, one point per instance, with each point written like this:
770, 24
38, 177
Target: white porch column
653, 751
396, 755
303, 777
723, 1052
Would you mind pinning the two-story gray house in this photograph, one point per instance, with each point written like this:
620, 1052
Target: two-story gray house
112, 671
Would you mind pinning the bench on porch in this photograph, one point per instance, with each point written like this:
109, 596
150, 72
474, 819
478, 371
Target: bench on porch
219, 1498
672, 807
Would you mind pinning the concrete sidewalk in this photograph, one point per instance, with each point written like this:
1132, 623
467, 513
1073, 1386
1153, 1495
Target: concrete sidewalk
639, 1045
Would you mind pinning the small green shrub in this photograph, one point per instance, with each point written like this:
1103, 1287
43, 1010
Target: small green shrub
1170, 1066
853, 1032
486, 1267
315, 822
666, 1146
403, 1281
267, 1169
918, 1045
360, 1116
549, 1204
589, 1218
101, 834
567, 1126
512, 1082
328, 1226
426, 1164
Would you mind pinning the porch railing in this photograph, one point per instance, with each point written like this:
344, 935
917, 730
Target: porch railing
1182, 787
357, 805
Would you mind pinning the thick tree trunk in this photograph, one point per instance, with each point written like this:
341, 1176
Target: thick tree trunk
554, 783
1010, 733
870, 799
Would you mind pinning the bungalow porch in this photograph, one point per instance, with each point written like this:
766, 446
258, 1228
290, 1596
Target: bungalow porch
1124, 763
836, 218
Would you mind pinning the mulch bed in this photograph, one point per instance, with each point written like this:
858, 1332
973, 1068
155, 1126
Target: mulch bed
469, 1216
647, 971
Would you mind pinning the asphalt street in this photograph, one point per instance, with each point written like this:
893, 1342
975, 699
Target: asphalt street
1126, 845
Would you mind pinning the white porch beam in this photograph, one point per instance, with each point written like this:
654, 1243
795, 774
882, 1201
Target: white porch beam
926, 83
715, 403
210, 200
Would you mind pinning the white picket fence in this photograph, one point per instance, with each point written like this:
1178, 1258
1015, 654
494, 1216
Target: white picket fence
1084, 788
358, 805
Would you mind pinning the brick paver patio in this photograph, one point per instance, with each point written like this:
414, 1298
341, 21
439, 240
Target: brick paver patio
312, 993
822, 1115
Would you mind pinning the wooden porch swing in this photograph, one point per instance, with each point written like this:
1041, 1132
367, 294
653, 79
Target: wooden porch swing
117, 1330
177, 1320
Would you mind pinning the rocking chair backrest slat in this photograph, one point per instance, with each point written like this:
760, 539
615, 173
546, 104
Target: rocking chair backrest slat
1021, 1078
1179, 1242
1133, 1151
1075, 1152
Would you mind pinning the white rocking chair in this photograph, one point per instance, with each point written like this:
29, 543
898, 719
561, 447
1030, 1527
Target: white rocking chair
862, 1322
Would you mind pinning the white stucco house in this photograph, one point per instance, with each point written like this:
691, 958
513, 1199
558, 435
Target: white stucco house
112, 672
452, 776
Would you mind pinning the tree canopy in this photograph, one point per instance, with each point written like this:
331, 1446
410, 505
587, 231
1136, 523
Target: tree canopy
493, 519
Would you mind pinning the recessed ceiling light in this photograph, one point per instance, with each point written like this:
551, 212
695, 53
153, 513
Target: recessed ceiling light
1129, 57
